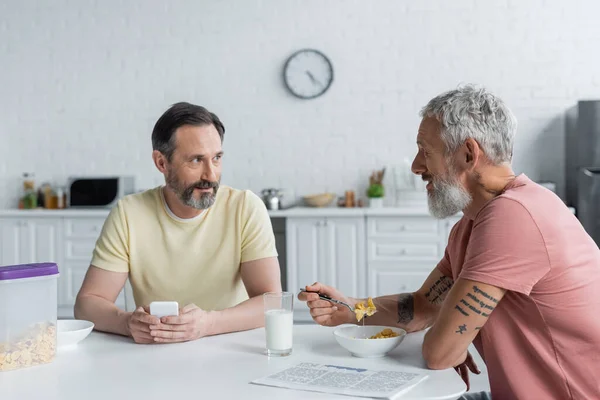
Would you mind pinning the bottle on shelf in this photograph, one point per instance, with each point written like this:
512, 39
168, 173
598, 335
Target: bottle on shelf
30, 197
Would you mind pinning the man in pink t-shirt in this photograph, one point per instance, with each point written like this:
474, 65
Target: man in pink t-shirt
520, 278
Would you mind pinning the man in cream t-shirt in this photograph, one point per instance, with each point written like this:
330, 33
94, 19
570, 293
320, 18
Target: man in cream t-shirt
209, 247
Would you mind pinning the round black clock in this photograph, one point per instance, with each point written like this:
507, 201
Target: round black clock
308, 73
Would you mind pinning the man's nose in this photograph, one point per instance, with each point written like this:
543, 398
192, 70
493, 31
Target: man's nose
210, 173
418, 166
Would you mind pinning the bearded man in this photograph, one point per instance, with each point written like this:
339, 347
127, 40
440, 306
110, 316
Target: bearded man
520, 276
207, 246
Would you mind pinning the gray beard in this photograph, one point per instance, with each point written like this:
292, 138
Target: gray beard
186, 194
205, 201
447, 198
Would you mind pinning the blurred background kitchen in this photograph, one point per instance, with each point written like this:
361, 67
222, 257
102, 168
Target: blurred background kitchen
83, 83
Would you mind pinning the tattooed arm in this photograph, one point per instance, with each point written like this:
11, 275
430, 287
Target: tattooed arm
413, 311
465, 311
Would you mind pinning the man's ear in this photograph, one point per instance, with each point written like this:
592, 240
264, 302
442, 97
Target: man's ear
160, 161
471, 154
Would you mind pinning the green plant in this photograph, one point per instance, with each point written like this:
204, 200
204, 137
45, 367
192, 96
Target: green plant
376, 188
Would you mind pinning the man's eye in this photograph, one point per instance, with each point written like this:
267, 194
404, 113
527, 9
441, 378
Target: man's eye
217, 158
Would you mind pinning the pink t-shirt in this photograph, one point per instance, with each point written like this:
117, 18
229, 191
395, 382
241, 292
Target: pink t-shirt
543, 339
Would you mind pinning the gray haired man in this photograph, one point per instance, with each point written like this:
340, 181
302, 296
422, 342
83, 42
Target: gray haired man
520, 276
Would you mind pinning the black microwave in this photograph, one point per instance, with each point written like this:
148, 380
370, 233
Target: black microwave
90, 192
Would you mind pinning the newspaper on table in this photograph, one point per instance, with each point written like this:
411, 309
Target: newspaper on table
336, 379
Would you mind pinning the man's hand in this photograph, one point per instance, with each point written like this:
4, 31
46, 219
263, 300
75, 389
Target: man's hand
191, 323
463, 369
138, 325
323, 312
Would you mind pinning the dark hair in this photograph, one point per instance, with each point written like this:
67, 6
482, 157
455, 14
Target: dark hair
178, 115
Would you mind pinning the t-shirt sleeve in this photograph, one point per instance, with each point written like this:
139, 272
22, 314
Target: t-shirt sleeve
112, 247
258, 239
444, 265
506, 248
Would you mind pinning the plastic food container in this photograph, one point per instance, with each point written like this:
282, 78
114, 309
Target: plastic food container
28, 294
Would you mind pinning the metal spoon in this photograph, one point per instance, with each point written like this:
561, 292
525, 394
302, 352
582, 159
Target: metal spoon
327, 298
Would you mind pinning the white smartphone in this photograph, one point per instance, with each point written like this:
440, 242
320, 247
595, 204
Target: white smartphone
164, 308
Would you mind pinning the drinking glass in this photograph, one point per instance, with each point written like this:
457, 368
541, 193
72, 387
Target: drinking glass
279, 323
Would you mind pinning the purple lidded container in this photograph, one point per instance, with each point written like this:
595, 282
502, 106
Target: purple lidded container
28, 334
21, 271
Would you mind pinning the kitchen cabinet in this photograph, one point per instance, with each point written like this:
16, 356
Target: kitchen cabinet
80, 235
29, 240
403, 250
68, 242
387, 279
330, 250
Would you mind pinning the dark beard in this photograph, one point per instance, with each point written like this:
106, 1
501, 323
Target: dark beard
186, 193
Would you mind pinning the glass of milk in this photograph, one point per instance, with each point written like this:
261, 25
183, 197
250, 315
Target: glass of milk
279, 323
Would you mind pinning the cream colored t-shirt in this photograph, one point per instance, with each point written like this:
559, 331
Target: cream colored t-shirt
193, 260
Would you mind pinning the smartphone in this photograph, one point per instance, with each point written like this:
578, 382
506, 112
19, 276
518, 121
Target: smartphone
164, 308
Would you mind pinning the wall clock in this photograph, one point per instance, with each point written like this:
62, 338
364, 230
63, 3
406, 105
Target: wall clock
308, 73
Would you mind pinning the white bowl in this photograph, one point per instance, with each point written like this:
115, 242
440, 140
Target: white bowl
72, 331
356, 340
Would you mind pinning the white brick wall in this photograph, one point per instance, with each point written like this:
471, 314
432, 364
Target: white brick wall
82, 82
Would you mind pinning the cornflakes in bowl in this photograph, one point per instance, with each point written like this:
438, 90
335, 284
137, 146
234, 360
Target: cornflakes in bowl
369, 341
384, 334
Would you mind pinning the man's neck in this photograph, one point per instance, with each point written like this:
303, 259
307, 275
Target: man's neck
174, 204
487, 183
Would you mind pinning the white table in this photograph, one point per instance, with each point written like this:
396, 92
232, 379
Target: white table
104, 366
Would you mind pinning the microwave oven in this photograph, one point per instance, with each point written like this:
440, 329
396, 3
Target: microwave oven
92, 192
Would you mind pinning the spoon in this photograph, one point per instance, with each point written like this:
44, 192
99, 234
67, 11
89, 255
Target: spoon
327, 298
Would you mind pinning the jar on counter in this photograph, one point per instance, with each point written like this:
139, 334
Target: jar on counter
60, 198
30, 197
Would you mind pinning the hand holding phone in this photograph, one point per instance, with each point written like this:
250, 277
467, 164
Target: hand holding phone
164, 308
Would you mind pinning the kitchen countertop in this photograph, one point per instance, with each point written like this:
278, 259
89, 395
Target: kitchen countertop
105, 366
289, 212
349, 212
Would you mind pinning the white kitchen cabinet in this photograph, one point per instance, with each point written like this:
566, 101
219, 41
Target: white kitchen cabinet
10, 243
330, 250
388, 279
346, 244
403, 250
80, 235
29, 240
68, 242
407, 228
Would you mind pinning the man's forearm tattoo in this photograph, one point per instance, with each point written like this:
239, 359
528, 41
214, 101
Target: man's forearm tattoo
437, 291
406, 308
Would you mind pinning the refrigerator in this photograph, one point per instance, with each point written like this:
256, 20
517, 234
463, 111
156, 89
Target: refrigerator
583, 164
